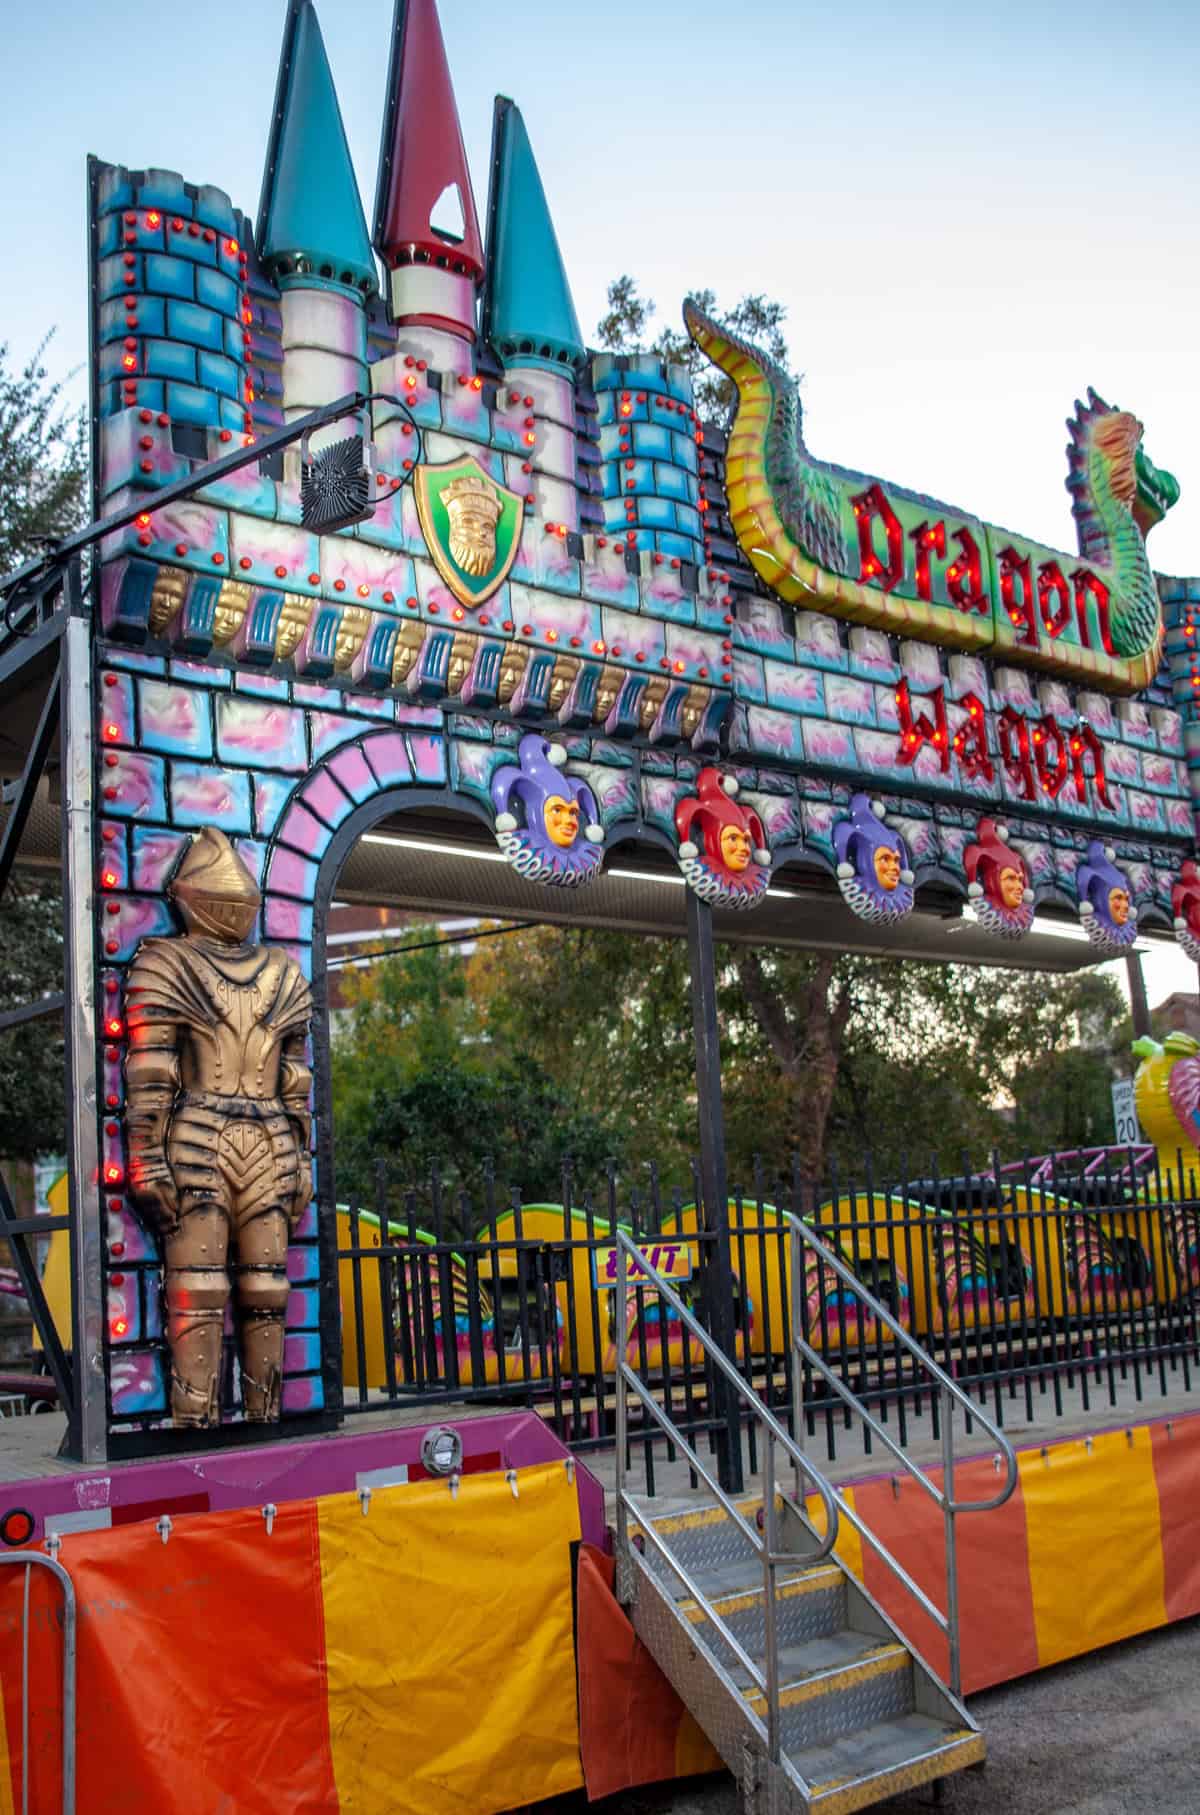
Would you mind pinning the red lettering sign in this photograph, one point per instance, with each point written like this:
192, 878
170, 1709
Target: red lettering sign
927, 539
964, 576
1085, 743
971, 743
1050, 584
1050, 755
921, 729
1014, 567
868, 506
1013, 735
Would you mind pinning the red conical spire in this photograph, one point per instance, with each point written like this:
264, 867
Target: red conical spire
422, 155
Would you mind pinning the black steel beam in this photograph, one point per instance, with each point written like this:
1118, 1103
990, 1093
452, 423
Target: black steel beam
181, 489
1138, 1003
713, 1187
32, 1011
35, 762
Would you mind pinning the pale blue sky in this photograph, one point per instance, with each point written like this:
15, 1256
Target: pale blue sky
971, 211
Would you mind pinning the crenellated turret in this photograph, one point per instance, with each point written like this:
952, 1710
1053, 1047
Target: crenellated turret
426, 228
312, 232
528, 314
529, 317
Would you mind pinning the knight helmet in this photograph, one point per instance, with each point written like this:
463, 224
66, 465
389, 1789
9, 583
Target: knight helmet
213, 889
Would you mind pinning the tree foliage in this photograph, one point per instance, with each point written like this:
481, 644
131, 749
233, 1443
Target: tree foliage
43, 461
43, 480
626, 328
576, 1041
32, 1110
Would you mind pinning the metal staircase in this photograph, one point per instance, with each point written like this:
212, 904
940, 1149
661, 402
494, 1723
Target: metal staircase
809, 1693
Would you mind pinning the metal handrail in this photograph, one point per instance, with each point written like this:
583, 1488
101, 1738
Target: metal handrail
951, 1394
766, 1547
27, 1559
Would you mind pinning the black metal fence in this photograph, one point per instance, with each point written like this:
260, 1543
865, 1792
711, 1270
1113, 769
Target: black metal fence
1044, 1288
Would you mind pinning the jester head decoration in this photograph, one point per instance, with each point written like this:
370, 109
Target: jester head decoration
874, 872
547, 822
1185, 909
1106, 910
998, 882
722, 846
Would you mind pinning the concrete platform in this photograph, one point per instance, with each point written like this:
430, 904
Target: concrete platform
1088, 1408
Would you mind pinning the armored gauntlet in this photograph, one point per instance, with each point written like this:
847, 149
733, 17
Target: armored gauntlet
151, 1086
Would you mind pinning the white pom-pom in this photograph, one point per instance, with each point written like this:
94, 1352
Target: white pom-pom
688, 849
1110, 853
1133, 914
1002, 834
594, 833
1086, 910
505, 822
556, 755
1180, 924
729, 783
762, 857
877, 807
907, 878
1026, 894
845, 871
975, 890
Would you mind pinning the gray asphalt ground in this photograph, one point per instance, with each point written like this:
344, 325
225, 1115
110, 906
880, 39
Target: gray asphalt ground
1110, 1734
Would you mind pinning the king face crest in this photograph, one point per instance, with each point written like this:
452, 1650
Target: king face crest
471, 525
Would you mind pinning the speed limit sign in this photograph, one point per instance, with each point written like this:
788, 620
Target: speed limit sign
1125, 1120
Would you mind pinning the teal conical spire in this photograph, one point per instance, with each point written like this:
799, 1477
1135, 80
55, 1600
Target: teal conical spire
311, 225
528, 314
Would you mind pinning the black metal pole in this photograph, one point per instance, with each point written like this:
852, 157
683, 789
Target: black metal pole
713, 1189
1137, 994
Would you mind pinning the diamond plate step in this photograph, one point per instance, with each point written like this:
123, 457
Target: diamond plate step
874, 1762
825, 1704
810, 1604
858, 1718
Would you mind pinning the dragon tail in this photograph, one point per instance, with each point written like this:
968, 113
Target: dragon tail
767, 435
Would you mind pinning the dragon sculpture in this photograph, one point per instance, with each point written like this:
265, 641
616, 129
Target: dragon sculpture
844, 543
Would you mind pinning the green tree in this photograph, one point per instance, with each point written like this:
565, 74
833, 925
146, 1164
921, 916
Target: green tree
43, 487
43, 461
32, 1104
625, 326
424, 1079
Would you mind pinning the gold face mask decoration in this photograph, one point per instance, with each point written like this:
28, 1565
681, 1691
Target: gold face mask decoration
1118, 906
473, 508
735, 849
471, 525
887, 868
561, 818
217, 1127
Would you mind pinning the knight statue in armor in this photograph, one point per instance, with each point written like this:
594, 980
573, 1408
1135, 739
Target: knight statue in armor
217, 1122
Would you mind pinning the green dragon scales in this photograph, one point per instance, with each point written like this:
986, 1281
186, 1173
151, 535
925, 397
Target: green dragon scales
842, 542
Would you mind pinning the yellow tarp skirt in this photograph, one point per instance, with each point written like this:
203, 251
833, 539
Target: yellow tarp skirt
449, 1644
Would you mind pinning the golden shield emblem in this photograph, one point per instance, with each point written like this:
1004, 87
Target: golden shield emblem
471, 525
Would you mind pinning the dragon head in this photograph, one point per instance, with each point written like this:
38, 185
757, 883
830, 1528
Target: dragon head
1105, 455
1156, 490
